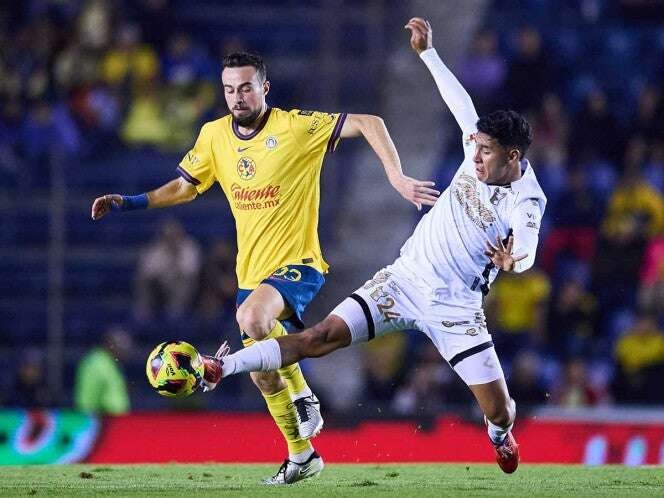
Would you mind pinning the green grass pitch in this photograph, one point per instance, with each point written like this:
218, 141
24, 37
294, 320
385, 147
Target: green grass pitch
395, 480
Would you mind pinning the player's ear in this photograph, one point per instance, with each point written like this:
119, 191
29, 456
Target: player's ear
513, 155
266, 87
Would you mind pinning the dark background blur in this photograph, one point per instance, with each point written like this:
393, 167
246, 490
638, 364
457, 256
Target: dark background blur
106, 96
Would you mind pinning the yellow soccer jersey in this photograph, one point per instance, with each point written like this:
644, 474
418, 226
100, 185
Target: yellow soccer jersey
271, 178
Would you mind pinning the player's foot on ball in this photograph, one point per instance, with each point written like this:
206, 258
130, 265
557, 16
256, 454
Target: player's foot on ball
291, 472
507, 454
309, 419
213, 367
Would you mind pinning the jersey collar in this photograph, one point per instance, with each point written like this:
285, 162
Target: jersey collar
241, 136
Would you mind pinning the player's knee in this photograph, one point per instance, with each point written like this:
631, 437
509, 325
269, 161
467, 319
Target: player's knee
253, 321
268, 382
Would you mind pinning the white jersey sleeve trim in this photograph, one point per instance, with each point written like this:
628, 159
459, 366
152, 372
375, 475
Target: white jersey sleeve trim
453, 93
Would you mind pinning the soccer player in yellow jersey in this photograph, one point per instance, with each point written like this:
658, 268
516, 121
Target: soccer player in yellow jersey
268, 163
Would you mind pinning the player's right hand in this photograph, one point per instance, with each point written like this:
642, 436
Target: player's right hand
421, 34
104, 204
416, 191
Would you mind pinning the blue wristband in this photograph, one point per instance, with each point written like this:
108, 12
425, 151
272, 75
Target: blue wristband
133, 202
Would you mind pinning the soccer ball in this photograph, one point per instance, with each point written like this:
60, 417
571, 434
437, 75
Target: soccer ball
175, 369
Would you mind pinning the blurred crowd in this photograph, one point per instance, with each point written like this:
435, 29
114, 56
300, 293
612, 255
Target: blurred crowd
81, 77
583, 328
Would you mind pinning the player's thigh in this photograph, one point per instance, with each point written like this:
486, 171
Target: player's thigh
384, 304
467, 346
261, 306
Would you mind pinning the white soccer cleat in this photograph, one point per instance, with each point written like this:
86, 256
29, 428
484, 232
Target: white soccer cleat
213, 367
309, 418
291, 472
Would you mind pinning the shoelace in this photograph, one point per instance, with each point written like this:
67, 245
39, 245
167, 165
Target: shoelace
302, 405
282, 469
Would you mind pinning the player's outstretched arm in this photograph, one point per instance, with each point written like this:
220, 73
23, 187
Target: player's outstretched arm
373, 129
174, 192
453, 93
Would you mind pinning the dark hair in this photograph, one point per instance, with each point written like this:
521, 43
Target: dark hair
241, 59
509, 128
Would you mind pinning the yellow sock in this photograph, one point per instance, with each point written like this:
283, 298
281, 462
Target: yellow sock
292, 373
283, 412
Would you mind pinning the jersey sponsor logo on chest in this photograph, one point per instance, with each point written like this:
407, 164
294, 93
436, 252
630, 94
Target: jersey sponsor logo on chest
465, 191
246, 198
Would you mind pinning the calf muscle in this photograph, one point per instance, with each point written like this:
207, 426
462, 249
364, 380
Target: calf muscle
321, 339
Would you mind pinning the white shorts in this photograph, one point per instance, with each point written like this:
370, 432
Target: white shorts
390, 302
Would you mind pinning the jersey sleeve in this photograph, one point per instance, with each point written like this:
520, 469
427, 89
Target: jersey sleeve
197, 165
525, 223
316, 132
455, 96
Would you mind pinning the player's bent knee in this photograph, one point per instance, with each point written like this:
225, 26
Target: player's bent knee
253, 321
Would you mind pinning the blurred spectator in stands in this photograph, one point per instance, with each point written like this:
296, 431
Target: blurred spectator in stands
640, 358
186, 63
97, 109
185, 107
529, 74
575, 217
574, 389
429, 385
651, 294
95, 25
515, 327
218, 281
130, 62
100, 384
572, 320
145, 123
157, 20
167, 274
74, 66
384, 361
649, 120
551, 127
525, 380
634, 201
11, 160
482, 70
48, 130
653, 170
31, 388
596, 134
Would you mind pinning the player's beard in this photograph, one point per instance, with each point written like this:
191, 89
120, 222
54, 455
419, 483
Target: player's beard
247, 120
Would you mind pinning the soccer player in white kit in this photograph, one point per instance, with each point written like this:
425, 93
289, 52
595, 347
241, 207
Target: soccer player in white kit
486, 220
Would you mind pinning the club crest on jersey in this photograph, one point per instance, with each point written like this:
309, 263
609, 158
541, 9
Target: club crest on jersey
246, 168
271, 142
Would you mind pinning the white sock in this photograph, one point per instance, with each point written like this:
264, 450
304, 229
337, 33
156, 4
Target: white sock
302, 394
259, 357
302, 456
497, 434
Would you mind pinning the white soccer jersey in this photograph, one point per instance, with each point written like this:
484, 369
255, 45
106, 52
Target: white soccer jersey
446, 251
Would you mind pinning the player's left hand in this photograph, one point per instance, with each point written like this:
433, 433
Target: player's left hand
416, 191
501, 255
421, 34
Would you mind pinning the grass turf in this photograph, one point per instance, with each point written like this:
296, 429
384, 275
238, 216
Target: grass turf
195, 481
